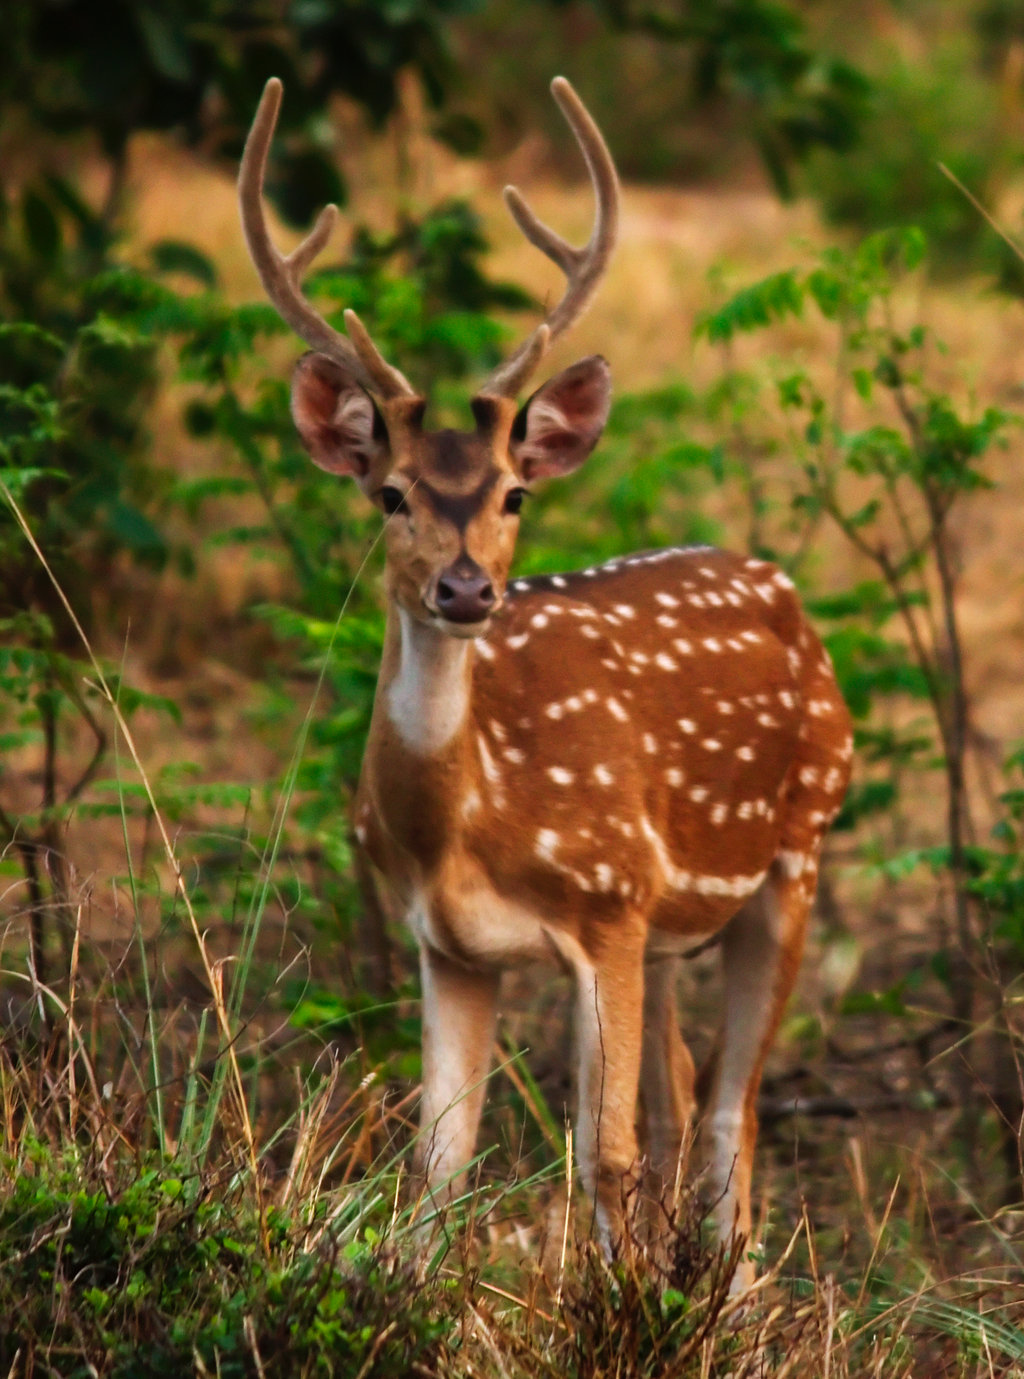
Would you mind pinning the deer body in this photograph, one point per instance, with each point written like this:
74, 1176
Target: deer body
606, 767
634, 752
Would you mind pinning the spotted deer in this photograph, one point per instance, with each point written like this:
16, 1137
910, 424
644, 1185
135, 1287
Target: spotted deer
607, 767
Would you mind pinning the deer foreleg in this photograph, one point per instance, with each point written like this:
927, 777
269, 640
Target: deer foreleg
609, 1033
459, 1012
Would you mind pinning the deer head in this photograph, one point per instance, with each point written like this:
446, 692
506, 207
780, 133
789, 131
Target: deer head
452, 497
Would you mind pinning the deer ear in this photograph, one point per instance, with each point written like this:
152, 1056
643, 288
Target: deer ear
557, 429
336, 418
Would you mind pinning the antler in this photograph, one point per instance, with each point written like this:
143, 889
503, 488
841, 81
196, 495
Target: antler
282, 276
584, 268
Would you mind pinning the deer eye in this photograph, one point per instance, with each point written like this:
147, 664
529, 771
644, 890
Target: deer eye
514, 500
392, 500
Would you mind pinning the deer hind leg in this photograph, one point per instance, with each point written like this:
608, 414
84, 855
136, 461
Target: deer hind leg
761, 950
609, 1002
459, 1014
667, 1081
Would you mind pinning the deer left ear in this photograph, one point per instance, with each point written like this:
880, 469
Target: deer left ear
557, 429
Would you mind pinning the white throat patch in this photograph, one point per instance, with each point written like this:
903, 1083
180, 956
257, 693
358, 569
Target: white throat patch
428, 698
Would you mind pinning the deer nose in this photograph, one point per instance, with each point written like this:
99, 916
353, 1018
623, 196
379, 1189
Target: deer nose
464, 593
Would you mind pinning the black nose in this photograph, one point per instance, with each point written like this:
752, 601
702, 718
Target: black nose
464, 593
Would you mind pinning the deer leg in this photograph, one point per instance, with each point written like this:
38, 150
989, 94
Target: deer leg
459, 1013
761, 950
609, 1006
667, 1078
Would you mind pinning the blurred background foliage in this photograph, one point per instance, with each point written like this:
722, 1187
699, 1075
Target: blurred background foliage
851, 107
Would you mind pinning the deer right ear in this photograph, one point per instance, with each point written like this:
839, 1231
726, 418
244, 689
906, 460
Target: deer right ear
336, 418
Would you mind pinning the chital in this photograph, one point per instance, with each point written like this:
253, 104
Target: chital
606, 767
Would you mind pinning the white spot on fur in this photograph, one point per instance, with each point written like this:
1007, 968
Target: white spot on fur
539, 620
711, 744
666, 600
674, 776
711, 644
616, 710
546, 843
665, 662
745, 753
518, 641
793, 863
650, 744
560, 775
684, 647
603, 776
491, 769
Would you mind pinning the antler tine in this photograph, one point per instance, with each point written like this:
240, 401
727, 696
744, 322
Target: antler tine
584, 267
281, 276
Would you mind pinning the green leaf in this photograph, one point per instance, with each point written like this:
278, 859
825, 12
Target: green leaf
177, 256
753, 308
42, 228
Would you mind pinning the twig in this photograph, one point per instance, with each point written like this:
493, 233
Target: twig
771, 1109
